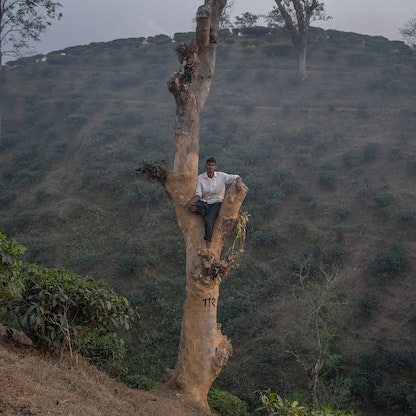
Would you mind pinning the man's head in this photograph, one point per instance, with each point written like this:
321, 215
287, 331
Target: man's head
210, 166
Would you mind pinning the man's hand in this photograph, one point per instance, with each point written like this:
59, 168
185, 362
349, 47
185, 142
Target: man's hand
191, 202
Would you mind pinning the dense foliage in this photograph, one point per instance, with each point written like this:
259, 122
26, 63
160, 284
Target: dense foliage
58, 310
276, 405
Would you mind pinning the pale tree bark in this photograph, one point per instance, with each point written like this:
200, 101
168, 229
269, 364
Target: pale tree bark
302, 64
203, 349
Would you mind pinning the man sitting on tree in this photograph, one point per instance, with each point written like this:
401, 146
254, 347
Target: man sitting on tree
209, 194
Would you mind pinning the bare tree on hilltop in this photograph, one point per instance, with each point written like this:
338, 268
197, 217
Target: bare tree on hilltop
408, 31
203, 349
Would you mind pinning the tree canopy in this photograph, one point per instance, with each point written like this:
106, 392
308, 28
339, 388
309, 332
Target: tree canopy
23, 21
408, 31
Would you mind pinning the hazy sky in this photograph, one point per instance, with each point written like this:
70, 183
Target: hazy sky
88, 21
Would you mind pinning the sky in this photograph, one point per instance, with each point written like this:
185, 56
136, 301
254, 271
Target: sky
86, 21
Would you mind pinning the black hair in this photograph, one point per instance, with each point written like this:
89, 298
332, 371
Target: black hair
211, 160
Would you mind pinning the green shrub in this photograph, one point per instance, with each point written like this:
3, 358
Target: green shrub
276, 405
411, 164
60, 147
18, 222
352, 158
371, 365
76, 120
226, 404
405, 217
308, 200
369, 151
389, 264
56, 309
139, 381
105, 350
384, 380
266, 236
10, 251
304, 135
341, 214
160, 40
290, 187
339, 231
383, 199
394, 154
303, 158
411, 403
367, 303
282, 175
336, 251
388, 398
248, 108
402, 359
327, 176
331, 53
7, 198
369, 372
306, 267
129, 264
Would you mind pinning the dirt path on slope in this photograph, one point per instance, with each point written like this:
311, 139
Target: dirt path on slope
35, 384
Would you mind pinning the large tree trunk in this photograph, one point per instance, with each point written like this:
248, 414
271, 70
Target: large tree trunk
313, 383
302, 64
203, 350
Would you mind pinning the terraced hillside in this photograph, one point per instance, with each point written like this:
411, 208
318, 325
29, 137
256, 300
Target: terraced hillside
330, 163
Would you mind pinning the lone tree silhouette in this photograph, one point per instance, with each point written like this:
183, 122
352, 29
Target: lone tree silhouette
203, 349
297, 15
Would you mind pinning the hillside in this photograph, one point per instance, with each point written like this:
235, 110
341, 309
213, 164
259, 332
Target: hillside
330, 163
37, 385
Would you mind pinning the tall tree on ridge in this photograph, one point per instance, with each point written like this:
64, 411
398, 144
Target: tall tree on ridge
298, 15
203, 349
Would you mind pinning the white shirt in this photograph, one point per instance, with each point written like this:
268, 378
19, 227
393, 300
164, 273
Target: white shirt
212, 190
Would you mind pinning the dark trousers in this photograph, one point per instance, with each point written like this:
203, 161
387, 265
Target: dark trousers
210, 213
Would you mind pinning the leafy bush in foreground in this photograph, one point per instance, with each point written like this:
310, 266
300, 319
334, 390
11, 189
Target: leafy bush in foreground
226, 404
58, 310
276, 405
